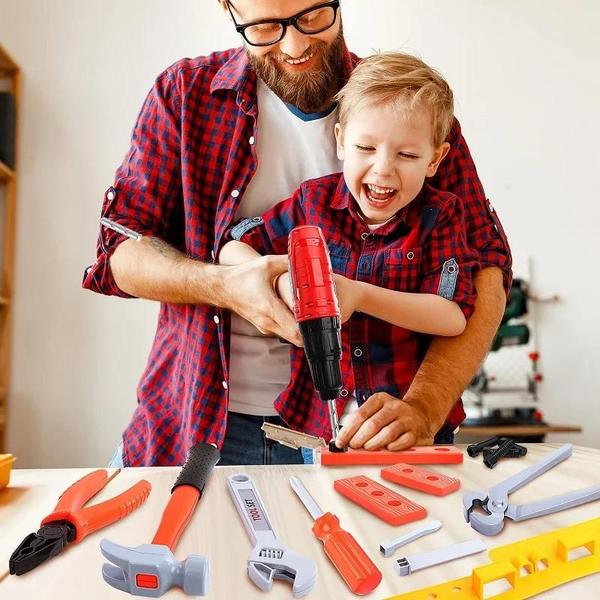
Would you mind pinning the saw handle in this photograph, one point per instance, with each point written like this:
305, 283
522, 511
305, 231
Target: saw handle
185, 493
351, 561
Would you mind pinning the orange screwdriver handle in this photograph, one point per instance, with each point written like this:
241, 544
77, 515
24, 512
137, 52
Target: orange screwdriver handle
352, 563
76, 495
88, 520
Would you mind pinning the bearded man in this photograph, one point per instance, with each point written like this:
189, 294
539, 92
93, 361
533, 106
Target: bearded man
223, 137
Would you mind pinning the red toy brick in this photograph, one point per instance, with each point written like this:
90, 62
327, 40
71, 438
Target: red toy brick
379, 500
421, 479
417, 455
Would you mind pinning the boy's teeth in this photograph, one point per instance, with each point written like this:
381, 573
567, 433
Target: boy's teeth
380, 190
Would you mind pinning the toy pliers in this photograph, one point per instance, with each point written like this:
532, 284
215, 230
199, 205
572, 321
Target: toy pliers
496, 506
70, 522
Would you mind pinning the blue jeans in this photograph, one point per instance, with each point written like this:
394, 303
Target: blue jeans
245, 443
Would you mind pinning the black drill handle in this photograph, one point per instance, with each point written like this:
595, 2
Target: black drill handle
201, 460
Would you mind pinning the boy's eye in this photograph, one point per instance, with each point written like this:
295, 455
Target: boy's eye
363, 148
408, 156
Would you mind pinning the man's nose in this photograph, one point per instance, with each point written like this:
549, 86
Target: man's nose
294, 43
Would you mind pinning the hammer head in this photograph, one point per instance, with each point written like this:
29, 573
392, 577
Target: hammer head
151, 570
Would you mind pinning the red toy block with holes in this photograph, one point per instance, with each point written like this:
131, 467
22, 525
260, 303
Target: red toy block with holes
421, 479
384, 503
417, 455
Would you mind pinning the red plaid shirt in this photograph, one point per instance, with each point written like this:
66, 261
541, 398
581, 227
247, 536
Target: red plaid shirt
423, 248
190, 160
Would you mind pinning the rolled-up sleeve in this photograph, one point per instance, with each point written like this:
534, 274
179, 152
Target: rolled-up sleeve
457, 174
269, 233
449, 263
146, 195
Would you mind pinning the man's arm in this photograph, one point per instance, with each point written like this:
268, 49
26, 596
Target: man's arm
445, 372
152, 269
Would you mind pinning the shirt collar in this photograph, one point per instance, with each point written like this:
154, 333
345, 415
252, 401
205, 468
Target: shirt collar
407, 215
238, 76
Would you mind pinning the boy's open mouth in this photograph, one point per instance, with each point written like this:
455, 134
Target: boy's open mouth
377, 195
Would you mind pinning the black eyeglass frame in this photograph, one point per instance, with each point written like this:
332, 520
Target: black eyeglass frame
285, 23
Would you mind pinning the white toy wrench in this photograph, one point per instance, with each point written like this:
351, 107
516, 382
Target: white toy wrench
269, 558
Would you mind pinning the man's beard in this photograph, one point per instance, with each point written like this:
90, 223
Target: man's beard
312, 90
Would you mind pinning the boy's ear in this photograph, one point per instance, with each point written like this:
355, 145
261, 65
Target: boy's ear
339, 141
438, 156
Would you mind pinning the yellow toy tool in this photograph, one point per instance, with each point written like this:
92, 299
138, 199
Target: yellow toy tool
529, 567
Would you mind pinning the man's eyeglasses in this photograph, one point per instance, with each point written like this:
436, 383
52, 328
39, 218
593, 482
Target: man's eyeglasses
310, 21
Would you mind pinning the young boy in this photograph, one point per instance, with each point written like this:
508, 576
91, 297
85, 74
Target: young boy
397, 245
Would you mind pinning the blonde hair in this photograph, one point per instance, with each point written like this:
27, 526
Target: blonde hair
401, 80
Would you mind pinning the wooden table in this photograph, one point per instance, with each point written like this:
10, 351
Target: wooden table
216, 529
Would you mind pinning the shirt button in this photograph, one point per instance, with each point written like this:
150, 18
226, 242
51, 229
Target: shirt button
410, 255
364, 235
111, 194
343, 392
216, 319
224, 384
358, 352
251, 140
491, 208
235, 193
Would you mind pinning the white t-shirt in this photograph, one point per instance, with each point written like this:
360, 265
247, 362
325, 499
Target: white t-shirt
290, 147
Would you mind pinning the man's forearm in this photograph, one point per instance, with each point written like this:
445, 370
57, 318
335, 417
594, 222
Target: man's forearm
451, 363
152, 269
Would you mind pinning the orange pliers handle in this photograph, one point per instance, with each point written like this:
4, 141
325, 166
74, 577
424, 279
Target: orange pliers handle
87, 520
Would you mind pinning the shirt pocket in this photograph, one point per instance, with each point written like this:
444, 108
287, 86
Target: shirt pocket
339, 254
402, 269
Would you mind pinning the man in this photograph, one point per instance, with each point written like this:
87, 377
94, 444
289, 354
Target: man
224, 137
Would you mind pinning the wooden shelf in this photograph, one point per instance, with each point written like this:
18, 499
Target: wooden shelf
10, 75
6, 173
8, 66
517, 430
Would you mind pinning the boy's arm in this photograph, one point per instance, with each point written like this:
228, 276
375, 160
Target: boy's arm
423, 313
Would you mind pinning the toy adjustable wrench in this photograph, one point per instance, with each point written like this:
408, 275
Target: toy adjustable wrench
497, 507
269, 558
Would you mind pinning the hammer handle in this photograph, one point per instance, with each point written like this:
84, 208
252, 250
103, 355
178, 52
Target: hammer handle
185, 494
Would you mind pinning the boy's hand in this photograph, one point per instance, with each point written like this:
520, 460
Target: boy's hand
348, 295
386, 421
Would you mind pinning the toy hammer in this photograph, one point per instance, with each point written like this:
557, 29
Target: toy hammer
152, 569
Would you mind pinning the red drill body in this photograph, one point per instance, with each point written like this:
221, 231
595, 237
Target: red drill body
317, 312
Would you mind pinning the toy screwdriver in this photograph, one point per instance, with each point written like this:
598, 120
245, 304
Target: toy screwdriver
350, 560
70, 522
317, 313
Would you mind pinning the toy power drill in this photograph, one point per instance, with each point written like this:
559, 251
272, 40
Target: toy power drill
317, 313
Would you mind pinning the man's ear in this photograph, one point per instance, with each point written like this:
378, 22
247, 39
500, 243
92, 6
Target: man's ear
438, 156
339, 141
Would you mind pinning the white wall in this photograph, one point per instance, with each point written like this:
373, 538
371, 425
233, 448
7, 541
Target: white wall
525, 74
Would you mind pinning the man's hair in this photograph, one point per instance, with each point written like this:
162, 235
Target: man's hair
404, 81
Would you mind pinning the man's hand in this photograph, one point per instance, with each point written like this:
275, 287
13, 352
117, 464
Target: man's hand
248, 290
348, 294
386, 421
